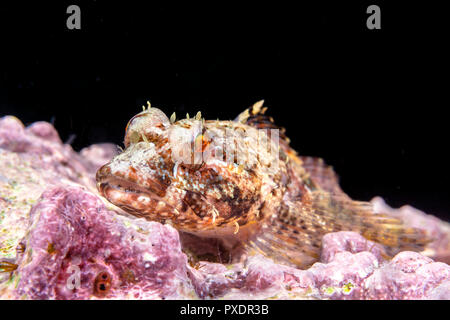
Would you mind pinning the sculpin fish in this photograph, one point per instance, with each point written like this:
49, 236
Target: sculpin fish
239, 181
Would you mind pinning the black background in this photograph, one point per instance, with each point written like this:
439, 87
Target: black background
370, 102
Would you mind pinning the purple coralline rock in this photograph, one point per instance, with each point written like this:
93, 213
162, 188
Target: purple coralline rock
337, 242
45, 131
40, 145
77, 249
37, 138
67, 242
97, 155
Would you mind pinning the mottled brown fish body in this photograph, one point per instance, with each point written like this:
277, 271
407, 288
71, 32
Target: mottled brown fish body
238, 180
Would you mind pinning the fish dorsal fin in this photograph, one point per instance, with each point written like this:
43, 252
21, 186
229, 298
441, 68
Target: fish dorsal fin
322, 174
255, 116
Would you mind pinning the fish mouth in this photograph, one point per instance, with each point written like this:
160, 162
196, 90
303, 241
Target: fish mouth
153, 201
135, 199
122, 185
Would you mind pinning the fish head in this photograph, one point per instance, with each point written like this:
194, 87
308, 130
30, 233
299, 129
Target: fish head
202, 177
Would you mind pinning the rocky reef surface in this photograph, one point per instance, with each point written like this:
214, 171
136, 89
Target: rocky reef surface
60, 240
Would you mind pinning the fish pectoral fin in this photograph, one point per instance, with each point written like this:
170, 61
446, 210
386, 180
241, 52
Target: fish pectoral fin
285, 242
283, 249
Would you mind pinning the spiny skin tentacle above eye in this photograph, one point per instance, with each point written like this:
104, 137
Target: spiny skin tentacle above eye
241, 182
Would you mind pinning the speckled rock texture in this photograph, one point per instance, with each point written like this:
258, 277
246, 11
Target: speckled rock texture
60, 240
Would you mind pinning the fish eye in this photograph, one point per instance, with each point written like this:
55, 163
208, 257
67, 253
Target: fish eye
153, 120
133, 137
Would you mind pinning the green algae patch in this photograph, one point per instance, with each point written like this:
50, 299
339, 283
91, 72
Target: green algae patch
329, 290
347, 288
8, 248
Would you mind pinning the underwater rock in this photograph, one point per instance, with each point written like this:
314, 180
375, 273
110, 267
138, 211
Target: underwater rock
45, 131
60, 240
97, 155
334, 243
77, 249
39, 144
